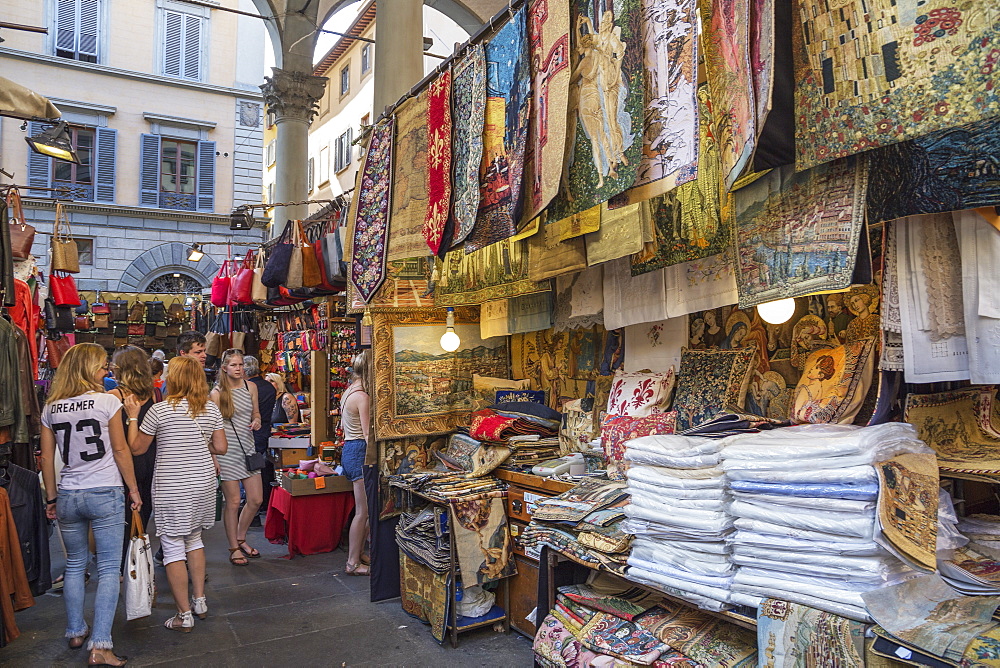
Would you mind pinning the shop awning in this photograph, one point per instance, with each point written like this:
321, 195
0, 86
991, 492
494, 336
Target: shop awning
21, 102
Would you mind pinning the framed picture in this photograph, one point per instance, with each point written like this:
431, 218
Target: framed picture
419, 387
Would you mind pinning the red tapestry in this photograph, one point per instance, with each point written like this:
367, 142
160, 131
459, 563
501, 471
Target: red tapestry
438, 159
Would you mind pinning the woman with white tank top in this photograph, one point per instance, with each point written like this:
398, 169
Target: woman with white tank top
354, 418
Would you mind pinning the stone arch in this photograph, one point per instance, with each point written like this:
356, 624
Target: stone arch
164, 259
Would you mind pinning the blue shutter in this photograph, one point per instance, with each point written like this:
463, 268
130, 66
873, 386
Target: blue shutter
106, 145
149, 175
192, 48
39, 166
206, 176
173, 35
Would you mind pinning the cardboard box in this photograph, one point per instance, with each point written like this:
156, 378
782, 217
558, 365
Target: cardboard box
307, 486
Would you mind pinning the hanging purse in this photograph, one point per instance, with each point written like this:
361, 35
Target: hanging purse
49, 311
102, 320
241, 287
120, 330
176, 312
64, 319
65, 254
62, 289
119, 310
258, 291
106, 340
312, 275
294, 278
136, 329
276, 269
155, 312
22, 235
56, 348
220, 285
137, 313
84, 306
81, 323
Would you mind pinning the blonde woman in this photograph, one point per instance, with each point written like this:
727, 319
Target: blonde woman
286, 409
82, 421
355, 406
188, 430
237, 401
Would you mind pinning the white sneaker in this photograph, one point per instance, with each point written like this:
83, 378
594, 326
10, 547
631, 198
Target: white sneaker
200, 607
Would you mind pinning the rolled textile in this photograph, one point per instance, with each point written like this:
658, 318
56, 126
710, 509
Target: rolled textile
657, 459
860, 492
821, 503
860, 525
789, 544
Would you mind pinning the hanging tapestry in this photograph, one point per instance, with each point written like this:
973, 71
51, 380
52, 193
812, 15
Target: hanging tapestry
727, 66
371, 227
655, 345
875, 72
908, 507
892, 324
606, 103
791, 635
980, 252
400, 457
670, 127
949, 170
577, 224
438, 159
493, 319
711, 382
762, 46
700, 284
548, 36
496, 272
799, 232
409, 186
424, 390
632, 300
468, 109
834, 383
505, 135
621, 233
958, 426
548, 256
558, 362
529, 313
424, 594
687, 222
482, 539
407, 287
579, 300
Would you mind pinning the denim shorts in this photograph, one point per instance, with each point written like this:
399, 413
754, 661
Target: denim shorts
353, 458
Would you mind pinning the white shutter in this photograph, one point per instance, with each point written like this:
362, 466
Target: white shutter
173, 29
89, 24
347, 147
66, 25
192, 47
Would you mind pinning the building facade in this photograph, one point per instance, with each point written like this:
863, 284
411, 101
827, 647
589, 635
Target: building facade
166, 114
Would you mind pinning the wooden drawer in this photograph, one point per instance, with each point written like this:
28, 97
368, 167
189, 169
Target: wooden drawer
521, 503
285, 457
524, 595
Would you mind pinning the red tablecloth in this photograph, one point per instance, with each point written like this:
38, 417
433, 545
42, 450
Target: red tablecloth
311, 524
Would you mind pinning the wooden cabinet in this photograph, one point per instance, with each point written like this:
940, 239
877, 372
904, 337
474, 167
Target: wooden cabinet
523, 594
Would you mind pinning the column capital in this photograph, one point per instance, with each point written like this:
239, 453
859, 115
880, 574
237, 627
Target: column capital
293, 94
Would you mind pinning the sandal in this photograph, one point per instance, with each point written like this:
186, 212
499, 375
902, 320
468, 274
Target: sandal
356, 569
366, 560
99, 658
77, 642
236, 557
252, 554
182, 621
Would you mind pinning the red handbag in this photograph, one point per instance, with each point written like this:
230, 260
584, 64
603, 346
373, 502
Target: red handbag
241, 287
221, 284
62, 289
56, 348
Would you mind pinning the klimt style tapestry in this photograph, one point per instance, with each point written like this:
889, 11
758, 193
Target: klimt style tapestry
409, 187
468, 108
908, 506
687, 222
496, 272
438, 159
791, 635
607, 97
875, 72
834, 383
950, 170
670, 128
505, 135
548, 35
959, 427
426, 390
798, 232
371, 227
482, 539
727, 66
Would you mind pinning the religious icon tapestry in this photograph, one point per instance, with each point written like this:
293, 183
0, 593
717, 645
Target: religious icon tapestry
409, 186
834, 383
438, 159
371, 227
468, 109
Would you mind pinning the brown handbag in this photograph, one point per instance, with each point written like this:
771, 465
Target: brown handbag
258, 291
173, 330
22, 235
136, 329
81, 322
56, 348
176, 312
102, 320
294, 278
137, 313
312, 274
160, 331
65, 254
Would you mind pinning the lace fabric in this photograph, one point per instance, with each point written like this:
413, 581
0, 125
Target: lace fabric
890, 283
579, 300
942, 276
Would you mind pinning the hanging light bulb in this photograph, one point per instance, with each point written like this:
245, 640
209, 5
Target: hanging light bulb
776, 312
450, 340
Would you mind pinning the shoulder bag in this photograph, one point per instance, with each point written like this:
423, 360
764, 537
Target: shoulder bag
119, 310
241, 286
294, 278
221, 285
312, 274
22, 235
65, 254
276, 269
258, 291
62, 289
255, 460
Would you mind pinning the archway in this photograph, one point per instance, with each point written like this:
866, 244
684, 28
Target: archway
165, 260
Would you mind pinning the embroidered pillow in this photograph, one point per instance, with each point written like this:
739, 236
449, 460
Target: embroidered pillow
484, 388
640, 394
834, 383
616, 430
709, 381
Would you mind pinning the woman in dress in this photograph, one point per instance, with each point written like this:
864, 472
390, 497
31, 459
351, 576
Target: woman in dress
355, 405
286, 409
82, 421
237, 401
135, 379
187, 428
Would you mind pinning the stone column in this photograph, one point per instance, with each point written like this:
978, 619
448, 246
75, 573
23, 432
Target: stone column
293, 96
399, 49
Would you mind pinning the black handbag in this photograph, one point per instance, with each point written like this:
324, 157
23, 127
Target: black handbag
119, 310
65, 319
255, 460
49, 311
155, 312
276, 268
84, 306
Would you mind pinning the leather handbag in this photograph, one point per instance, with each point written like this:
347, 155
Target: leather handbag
136, 329
137, 313
213, 344
276, 268
160, 331
64, 319
221, 284
255, 460
173, 330
55, 348
22, 235
149, 329
294, 277
155, 312
65, 254
98, 308
120, 330
84, 306
81, 323
176, 312
102, 320
333, 255
49, 312
119, 310
241, 287
86, 337
258, 291
312, 275
62, 289
170, 343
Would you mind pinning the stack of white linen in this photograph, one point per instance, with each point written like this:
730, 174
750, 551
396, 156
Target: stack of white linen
804, 499
679, 515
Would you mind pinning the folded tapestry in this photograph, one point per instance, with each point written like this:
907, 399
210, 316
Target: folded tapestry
621, 234
424, 594
958, 426
709, 381
482, 539
908, 506
834, 383
495, 272
706, 639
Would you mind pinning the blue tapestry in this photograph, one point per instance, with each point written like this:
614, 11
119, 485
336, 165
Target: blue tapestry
711, 382
950, 170
530, 396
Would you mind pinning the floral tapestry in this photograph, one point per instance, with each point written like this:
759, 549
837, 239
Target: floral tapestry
791, 635
687, 222
799, 232
482, 539
710, 382
371, 227
908, 506
607, 97
496, 272
505, 135
409, 187
548, 35
670, 128
762, 48
875, 72
438, 159
950, 170
425, 390
959, 427
727, 66
468, 109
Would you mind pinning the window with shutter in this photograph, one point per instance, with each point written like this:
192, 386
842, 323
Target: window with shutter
206, 176
182, 45
345, 80
105, 161
78, 29
311, 174
366, 59
342, 159
39, 166
324, 164
149, 176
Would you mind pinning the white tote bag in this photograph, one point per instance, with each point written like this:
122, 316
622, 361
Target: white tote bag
139, 589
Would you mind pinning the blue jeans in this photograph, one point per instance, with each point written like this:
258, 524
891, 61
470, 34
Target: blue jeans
103, 510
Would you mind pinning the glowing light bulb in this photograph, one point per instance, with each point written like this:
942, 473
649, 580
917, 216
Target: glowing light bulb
450, 341
776, 312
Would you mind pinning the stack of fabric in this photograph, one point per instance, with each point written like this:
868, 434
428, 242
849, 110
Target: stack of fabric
531, 450
423, 537
679, 515
981, 528
804, 499
585, 524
